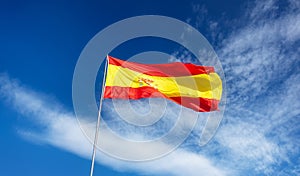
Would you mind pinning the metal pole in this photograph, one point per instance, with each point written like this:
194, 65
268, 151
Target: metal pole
98, 119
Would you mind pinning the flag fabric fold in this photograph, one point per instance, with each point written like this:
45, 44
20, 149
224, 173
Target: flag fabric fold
192, 86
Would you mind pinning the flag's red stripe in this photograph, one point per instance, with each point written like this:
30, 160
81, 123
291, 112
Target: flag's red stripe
196, 103
164, 70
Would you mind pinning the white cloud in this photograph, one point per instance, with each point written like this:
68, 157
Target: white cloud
260, 130
62, 130
260, 62
261, 52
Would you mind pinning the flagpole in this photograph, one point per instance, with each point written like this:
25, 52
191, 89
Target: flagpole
98, 119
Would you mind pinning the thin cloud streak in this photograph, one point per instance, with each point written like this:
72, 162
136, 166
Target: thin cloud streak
62, 130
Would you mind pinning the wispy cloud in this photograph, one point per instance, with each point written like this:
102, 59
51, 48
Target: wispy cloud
260, 130
60, 128
262, 72
261, 53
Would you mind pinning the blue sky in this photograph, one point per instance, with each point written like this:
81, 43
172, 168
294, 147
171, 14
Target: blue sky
257, 43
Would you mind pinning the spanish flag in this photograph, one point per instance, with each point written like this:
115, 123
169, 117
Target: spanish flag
192, 86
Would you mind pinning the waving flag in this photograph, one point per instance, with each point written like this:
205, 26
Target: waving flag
189, 85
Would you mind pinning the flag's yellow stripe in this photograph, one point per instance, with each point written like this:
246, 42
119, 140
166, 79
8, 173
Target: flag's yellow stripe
202, 85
